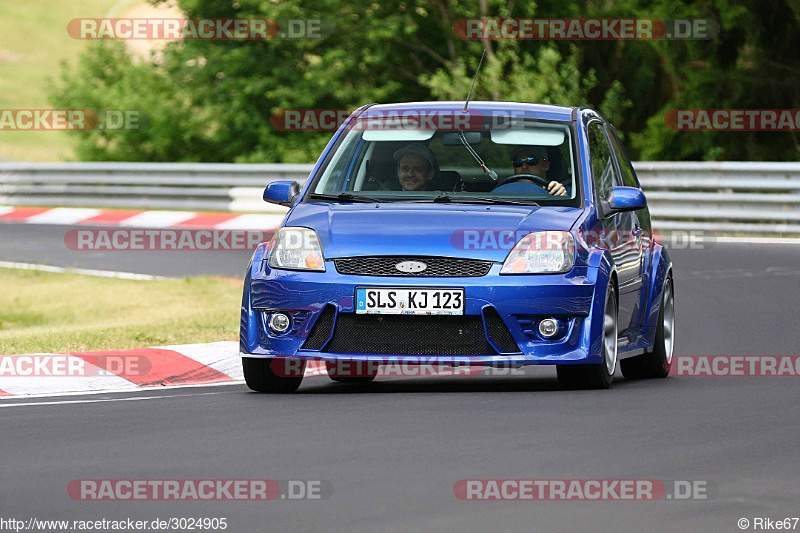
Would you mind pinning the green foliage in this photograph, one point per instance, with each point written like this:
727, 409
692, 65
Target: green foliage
509, 75
171, 127
615, 104
212, 100
752, 64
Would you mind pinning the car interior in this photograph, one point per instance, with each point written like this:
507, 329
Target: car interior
456, 171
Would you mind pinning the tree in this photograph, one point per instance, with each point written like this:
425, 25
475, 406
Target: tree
212, 100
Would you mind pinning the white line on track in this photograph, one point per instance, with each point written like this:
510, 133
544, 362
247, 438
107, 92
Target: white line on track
84, 271
673, 240
119, 391
754, 240
102, 400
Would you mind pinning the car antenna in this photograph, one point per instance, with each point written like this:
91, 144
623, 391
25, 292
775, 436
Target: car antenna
473, 81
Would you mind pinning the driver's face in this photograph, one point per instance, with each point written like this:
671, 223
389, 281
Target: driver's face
539, 169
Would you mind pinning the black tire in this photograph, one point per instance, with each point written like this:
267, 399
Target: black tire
333, 374
260, 377
656, 364
596, 376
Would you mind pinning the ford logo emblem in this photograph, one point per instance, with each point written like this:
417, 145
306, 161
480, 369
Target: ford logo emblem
411, 267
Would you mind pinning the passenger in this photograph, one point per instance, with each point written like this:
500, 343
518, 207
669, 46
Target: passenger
416, 167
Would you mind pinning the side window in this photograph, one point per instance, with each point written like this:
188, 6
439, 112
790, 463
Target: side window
628, 175
603, 171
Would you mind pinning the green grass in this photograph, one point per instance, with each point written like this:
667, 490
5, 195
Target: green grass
46, 312
33, 41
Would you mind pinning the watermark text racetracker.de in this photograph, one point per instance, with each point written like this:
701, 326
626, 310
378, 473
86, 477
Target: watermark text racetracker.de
736, 365
733, 119
613, 240
409, 119
204, 29
423, 118
198, 489
433, 366
584, 29
71, 119
164, 239
583, 489
405, 366
74, 366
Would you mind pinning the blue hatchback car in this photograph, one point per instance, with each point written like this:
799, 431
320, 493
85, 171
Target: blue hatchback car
515, 235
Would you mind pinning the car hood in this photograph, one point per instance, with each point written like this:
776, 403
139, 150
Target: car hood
451, 230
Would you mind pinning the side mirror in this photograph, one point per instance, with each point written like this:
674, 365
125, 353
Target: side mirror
282, 192
623, 199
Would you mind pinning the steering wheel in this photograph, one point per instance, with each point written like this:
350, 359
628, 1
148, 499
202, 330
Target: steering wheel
538, 180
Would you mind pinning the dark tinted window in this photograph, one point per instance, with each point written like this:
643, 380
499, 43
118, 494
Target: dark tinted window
603, 171
628, 175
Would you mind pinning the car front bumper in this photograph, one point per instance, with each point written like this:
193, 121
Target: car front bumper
520, 301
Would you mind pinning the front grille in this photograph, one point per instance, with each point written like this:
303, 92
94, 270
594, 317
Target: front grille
447, 267
498, 331
409, 335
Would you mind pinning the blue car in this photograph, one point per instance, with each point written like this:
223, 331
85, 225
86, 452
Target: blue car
509, 234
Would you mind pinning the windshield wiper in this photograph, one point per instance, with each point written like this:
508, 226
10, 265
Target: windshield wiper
491, 200
446, 198
440, 198
345, 197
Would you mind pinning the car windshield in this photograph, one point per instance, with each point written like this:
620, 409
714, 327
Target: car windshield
513, 164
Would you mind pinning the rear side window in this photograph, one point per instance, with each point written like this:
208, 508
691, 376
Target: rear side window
628, 175
603, 172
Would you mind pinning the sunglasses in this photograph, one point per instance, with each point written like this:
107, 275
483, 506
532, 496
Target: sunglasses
532, 161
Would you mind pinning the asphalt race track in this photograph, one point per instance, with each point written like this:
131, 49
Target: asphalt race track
43, 243
393, 450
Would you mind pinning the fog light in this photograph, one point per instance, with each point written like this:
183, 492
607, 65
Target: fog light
548, 328
279, 322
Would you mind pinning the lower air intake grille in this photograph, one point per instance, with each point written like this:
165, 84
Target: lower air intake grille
321, 331
446, 267
409, 335
498, 331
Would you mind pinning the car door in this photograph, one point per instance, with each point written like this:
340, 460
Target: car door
642, 230
615, 232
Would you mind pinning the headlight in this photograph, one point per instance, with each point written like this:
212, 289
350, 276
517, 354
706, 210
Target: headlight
542, 252
296, 249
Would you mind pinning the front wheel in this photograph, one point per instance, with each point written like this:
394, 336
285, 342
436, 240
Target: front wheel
596, 376
260, 375
656, 364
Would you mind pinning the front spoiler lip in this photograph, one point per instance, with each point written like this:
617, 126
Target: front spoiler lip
576, 356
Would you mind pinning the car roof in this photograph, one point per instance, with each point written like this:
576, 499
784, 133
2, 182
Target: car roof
542, 111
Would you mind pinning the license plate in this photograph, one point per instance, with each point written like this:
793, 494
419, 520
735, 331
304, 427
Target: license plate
408, 301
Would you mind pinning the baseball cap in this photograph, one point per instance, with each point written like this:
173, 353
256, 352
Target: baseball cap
538, 151
417, 149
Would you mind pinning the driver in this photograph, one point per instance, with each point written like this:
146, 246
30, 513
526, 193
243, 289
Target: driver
533, 160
